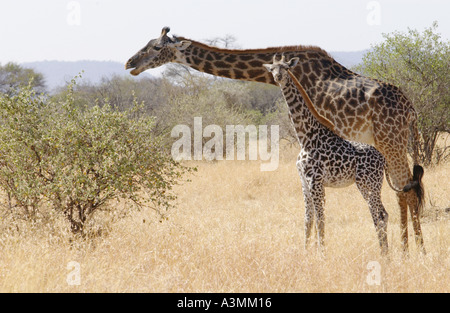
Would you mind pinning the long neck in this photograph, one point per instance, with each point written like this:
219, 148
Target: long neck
304, 116
248, 64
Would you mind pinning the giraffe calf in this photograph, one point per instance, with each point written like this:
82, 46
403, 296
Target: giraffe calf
327, 160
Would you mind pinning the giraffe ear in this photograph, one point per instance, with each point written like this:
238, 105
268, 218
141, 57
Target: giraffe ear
268, 66
182, 45
293, 62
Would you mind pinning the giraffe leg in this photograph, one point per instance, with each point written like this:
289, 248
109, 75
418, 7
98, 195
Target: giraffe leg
309, 209
401, 198
382, 227
309, 219
318, 196
400, 174
415, 216
411, 199
380, 219
369, 182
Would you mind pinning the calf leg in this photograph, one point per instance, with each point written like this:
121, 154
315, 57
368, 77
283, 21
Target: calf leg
369, 181
313, 192
309, 218
318, 197
379, 216
309, 209
380, 219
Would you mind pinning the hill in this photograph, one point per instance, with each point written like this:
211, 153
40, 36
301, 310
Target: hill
58, 73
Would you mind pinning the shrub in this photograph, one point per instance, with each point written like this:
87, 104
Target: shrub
76, 158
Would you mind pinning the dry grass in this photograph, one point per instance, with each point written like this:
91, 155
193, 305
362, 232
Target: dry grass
235, 229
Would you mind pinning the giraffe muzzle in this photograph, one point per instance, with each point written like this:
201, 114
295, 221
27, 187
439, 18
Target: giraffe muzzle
129, 64
278, 77
132, 64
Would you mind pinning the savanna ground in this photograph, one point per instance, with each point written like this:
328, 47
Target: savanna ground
234, 229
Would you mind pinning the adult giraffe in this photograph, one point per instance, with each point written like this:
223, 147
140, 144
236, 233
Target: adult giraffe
360, 108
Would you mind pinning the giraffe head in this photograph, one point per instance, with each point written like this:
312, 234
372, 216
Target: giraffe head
282, 75
157, 52
279, 69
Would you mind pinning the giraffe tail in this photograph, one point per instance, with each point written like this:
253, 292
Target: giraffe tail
415, 185
416, 182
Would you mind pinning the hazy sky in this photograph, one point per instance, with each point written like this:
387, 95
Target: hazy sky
114, 30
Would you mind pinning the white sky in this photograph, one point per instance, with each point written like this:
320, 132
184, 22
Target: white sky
115, 30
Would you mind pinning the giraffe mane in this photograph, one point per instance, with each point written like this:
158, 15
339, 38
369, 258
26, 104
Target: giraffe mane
321, 119
280, 49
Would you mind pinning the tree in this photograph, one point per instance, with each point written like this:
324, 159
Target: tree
228, 42
77, 158
14, 76
418, 63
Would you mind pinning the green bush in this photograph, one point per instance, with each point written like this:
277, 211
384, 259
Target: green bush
76, 158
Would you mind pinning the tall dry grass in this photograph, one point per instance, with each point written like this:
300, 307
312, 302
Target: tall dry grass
235, 229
